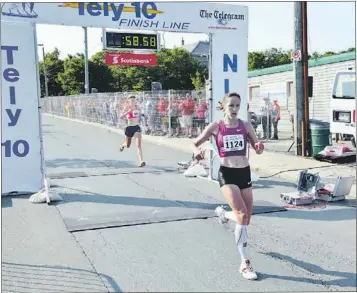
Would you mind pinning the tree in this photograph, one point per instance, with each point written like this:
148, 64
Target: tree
274, 57
100, 75
328, 53
256, 60
315, 55
197, 81
268, 58
54, 66
72, 79
175, 68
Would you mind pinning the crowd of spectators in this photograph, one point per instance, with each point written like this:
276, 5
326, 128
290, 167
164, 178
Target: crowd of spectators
185, 115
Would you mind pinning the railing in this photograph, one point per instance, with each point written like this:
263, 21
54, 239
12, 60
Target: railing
164, 113
174, 112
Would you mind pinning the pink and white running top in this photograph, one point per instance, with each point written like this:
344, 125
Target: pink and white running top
133, 114
231, 141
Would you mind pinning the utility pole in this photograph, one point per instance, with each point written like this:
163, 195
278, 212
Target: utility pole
44, 68
86, 74
305, 61
298, 81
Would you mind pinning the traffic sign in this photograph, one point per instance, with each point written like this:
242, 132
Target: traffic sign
296, 55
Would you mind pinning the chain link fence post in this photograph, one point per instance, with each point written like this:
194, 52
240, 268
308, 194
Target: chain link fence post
170, 113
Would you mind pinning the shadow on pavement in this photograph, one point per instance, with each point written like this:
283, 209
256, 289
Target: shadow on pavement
86, 196
6, 202
265, 183
345, 279
344, 203
92, 163
45, 278
318, 214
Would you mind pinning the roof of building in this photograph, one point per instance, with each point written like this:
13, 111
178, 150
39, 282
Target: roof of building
197, 48
312, 63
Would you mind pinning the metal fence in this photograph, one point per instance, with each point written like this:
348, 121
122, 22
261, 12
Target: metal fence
175, 113
166, 113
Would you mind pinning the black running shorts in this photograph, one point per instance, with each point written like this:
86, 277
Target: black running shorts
235, 176
131, 130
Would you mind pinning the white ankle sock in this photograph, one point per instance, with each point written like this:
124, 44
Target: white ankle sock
241, 237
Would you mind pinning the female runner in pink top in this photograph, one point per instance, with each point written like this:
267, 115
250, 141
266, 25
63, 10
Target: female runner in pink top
133, 114
232, 136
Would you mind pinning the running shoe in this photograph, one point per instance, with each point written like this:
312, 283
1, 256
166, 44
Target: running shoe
142, 164
122, 148
220, 212
247, 271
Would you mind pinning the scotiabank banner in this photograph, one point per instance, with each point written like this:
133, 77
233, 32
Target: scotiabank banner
129, 59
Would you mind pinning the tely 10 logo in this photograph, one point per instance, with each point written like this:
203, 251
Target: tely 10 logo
146, 10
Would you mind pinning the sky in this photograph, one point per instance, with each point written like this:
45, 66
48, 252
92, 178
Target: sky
331, 27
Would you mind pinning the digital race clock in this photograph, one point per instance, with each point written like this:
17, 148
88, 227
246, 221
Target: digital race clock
131, 41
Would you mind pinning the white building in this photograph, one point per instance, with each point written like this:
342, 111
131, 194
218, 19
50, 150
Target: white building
277, 82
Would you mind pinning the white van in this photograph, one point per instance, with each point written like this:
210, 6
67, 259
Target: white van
343, 105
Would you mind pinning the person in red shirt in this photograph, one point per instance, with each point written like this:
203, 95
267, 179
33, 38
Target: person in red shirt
188, 108
174, 111
162, 107
201, 110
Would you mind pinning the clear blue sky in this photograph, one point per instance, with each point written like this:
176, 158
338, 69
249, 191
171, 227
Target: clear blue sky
331, 27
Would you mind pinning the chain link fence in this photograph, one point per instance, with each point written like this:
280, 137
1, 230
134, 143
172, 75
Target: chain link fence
174, 113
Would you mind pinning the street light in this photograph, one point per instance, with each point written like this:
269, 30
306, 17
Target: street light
44, 68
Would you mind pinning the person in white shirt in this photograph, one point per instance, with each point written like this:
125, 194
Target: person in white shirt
265, 112
151, 113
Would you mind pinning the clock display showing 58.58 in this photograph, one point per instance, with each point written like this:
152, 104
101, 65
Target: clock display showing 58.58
131, 41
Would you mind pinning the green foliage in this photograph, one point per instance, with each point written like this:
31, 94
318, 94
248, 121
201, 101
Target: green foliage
197, 82
275, 57
176, 69
72, 77
54, 65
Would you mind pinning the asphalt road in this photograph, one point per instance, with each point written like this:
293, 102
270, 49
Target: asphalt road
296, 250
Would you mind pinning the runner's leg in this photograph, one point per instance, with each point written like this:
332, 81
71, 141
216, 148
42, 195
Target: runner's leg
138, 138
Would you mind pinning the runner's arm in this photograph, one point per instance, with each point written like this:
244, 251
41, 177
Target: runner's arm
253, 139
125, 112
204, 136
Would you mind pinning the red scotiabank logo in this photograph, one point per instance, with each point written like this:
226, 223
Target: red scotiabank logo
129, 59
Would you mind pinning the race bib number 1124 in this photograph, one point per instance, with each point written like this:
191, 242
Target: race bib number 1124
233, 142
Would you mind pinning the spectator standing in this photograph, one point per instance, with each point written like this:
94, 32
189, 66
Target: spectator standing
265, 112
275, 118
201, 110
188, 109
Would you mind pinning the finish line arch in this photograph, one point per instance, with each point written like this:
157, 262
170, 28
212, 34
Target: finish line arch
22, 150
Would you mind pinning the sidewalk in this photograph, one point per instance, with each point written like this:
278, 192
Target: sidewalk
270, 164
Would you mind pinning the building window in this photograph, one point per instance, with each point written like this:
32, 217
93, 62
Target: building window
289, 89
254, 92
